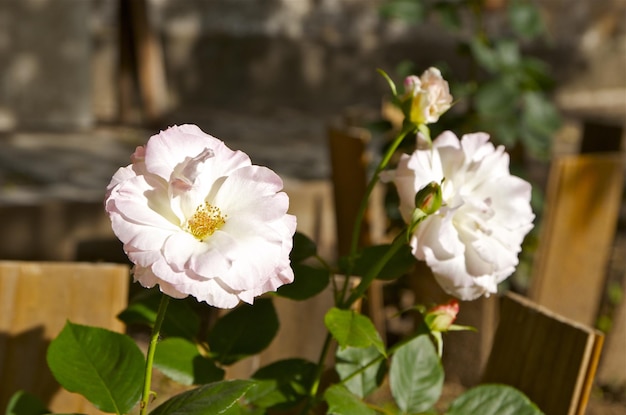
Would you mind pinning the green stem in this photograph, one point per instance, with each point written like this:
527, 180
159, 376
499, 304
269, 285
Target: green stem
373, 272
145, 397
318, 376
356, 230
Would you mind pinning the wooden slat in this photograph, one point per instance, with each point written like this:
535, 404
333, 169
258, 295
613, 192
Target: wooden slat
548, 357
349, 163
36, 299
582, 205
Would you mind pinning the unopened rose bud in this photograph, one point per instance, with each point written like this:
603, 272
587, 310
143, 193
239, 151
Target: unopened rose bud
426, 98
428, 199
441, 317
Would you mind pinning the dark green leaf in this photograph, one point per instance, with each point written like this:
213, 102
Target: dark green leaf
180, 319
180, 360
246, 330
104, 366
416, 375
303, 248
485, 56
350, 328
398, 265
449, 14
525, 19
24, 403
308, 281
540, 120
351, 360
342, 402
493, 400
497, 98
282, 384
215, 398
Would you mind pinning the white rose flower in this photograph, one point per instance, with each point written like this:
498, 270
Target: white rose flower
472, 241
197, 218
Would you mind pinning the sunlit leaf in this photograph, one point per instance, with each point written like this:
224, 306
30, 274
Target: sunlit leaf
416, 375
215, 399
103, 366
493, 399
343, 402
368, 378
180, 360
350, 328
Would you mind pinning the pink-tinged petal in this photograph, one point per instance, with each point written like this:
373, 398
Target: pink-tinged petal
187, 177
471, 243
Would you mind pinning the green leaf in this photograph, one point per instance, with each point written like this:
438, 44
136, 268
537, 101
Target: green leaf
492, 399
412, 11
525, 19
355, 359
180, 320
282, 384
485, 56
103, 366
24, 403
308, 281
246, 330
180, 360
303, 248
398, 265
342, 402
350, 328
215, 399
416, 375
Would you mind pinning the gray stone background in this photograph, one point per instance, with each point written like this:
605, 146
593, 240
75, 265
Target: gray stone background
267, 75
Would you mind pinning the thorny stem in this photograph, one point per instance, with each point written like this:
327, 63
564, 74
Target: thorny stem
145, 397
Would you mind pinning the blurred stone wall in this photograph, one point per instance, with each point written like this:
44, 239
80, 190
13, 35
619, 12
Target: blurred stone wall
45, 72
58, 58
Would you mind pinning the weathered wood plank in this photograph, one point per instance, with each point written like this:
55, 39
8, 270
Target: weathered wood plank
582, 206
548, 357
36, 299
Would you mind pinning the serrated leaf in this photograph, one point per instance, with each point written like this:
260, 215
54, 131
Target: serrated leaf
398, 265
492, 399
180, 360
180, 320
282, 384
343, 402
246, 330
308, 281
215, 399
350, 328
303, 248
416, 375
355, 359
24, 403
103, 366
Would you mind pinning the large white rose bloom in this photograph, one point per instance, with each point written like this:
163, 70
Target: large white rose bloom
197, 218
472, 241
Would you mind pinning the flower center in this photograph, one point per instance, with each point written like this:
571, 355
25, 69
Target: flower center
205, 221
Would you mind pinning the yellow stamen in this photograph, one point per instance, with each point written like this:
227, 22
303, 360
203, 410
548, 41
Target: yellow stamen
205, 221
